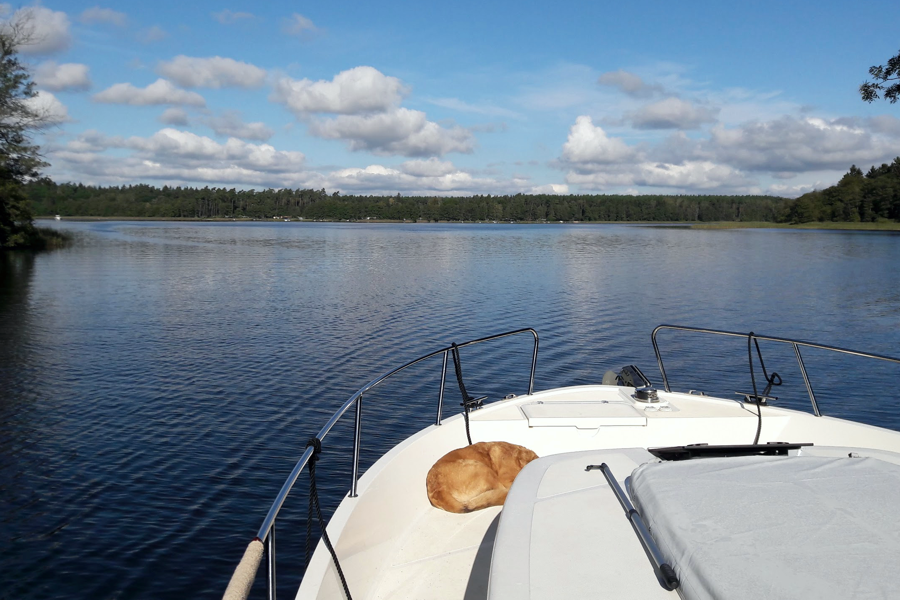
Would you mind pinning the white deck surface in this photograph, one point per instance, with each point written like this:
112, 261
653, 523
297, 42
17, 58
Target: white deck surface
393, 544
555, 504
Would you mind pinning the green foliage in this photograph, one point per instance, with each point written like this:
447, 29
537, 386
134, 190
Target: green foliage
855, 198
882, 75
49, 198
19, 156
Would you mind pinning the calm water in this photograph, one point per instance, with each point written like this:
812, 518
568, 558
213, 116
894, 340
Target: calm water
159, 380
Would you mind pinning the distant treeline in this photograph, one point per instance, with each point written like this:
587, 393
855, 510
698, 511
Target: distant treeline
49, 198
856, 197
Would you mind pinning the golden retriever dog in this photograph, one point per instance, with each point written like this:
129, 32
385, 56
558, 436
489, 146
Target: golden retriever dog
476, 476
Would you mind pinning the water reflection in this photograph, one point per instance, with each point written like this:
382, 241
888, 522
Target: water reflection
158, 380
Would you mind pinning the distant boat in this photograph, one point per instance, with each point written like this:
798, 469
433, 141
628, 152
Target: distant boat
58, 218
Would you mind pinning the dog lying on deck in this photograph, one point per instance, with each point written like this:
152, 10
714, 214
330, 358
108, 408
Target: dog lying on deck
476, 476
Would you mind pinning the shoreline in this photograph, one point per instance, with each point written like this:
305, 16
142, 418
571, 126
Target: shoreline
822, 225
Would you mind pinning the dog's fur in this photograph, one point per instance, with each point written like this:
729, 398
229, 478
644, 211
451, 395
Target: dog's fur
476, 476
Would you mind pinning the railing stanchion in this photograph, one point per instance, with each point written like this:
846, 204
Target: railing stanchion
266, 532
794, 343
533, 362
812, 396
440, 408
356, 445
270, 546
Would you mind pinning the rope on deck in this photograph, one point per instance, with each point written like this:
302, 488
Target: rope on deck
242, 579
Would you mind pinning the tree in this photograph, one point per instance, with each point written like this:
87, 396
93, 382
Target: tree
20, 159
882, 75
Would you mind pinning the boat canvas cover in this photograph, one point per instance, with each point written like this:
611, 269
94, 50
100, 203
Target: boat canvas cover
775, 527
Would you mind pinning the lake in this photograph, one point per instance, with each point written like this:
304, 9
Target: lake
159, 380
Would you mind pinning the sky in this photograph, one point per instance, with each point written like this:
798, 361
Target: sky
462, 98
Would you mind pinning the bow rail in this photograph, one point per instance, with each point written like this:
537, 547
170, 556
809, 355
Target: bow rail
796, 344
245, 573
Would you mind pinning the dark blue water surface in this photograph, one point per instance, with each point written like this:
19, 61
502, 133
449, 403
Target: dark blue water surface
159, 380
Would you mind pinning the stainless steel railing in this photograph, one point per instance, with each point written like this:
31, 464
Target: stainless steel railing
266, 533
796, 344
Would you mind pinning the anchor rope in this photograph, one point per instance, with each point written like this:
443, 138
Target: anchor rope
468, 401
316, 444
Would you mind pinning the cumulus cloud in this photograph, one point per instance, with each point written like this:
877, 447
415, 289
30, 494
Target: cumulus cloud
401, 131
432, 167
551, 188
152, 34
179, 157
381, 179
43, 31
792, 191
588, 143
792, 144
49, 109
64, 77
230, 124
103, 15
174, 155
159, 92
354, 91
692, 175
297, 25
214, 72
228, 17
885, 124
671, 113
630, 84
174, 116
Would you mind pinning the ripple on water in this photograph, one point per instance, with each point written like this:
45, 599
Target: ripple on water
158, 381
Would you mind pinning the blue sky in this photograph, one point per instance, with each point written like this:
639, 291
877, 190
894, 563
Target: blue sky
463, 98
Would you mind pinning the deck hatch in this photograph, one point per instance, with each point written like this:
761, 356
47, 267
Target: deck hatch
583, 415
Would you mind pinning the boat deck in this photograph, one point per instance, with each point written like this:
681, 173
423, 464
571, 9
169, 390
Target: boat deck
393, 544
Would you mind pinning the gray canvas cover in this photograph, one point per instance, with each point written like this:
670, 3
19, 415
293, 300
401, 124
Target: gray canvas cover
776, 527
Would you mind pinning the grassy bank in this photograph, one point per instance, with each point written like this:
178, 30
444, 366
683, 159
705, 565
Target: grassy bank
878, 226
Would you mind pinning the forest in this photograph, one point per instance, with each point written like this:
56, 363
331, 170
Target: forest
874, 196
49, 198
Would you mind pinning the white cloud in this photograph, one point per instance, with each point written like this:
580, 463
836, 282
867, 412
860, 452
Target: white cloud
159, 92
401, 131
227, 17
791, 144
689, 176
354, 91
174, 155
174, 116
42, 31
588, 143
103, 15
671, 113
152, 34
214, 72
630, 84
431, 167
64, 77
885, 124
49, 109
297, 25
230, 124
551, 188
179, 157
697, 175
792, 191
